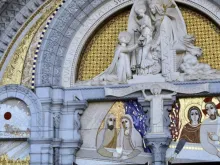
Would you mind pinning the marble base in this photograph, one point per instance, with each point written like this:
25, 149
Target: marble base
147, 78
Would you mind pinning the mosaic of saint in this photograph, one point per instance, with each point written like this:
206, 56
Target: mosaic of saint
120, 134
195, 125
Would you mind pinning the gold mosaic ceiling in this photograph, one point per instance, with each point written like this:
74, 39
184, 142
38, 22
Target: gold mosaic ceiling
99, 51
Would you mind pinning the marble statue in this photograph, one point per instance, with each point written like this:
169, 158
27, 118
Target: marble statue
119, 70
193, 70
155, 46
156, 100
145, 56
209, 133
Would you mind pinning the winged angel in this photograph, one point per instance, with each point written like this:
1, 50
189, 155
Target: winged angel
156, 42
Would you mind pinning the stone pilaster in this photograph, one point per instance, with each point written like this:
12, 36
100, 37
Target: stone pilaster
69, 130
56, 110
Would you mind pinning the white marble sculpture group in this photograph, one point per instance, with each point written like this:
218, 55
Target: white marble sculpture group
155, 47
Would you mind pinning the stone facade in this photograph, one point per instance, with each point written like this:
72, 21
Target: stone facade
56, 109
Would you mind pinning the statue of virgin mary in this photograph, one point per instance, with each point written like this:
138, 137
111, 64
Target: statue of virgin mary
169, 41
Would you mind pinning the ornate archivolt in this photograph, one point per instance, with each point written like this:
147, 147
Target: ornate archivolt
16, 67
14, 71
73, 55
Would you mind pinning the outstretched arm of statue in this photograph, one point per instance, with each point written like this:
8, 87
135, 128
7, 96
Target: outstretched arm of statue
204, 139
129, 49
147, 98
168, 96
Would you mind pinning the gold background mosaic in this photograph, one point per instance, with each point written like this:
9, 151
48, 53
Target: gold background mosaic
118, 111
98, 53
14, 71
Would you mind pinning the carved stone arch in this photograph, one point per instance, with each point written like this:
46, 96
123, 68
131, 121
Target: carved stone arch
32, 101
58, 37
18, 12
71, 28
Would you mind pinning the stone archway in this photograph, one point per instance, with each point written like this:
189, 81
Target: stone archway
71, 28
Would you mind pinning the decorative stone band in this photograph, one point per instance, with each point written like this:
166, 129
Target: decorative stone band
40, 42
164, 86
205, 6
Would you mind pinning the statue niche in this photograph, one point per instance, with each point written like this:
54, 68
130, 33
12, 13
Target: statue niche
155, 48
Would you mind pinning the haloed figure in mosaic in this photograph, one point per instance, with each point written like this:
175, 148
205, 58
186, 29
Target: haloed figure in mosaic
107, 137
190, 132
129, 142
210, 128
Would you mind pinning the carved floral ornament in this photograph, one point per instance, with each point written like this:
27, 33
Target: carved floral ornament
180, 73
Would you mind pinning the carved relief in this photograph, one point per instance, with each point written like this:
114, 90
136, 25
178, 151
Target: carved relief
165, 52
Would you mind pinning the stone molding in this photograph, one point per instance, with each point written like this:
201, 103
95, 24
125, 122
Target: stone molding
207, 7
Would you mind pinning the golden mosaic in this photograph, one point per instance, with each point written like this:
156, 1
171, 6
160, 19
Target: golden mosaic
118, 111
14, 71
4, 160
99, 51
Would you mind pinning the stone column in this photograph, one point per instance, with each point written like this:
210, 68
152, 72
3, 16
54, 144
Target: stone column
158, 142
69, 131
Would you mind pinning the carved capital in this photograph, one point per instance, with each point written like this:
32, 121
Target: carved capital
158, 145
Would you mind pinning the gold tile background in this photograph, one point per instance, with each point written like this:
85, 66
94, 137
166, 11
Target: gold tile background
99, 50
